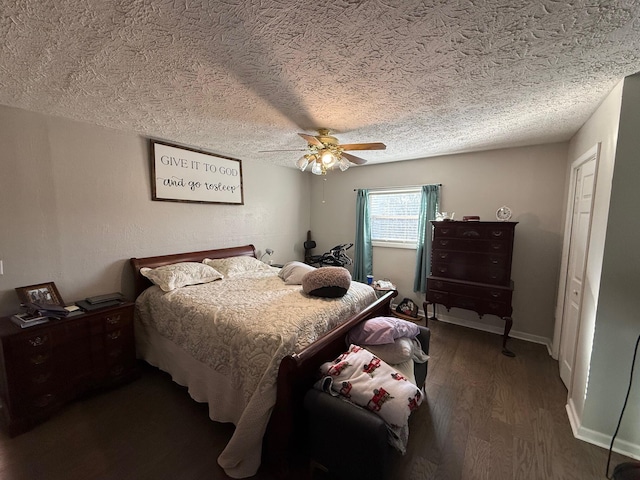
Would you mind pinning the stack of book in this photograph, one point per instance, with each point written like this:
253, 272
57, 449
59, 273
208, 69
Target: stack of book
56, 311
24, 320
52, 311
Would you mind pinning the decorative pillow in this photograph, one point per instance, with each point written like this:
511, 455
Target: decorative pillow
380, 330
176, 275
398, 351
231, 266
402, 350
330, 282
368, 381
293, 272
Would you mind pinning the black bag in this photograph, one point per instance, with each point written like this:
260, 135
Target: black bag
407, 307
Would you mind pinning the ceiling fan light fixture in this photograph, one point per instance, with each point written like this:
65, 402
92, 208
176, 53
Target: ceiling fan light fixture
343, 164
303, 162
317, 169
328, 158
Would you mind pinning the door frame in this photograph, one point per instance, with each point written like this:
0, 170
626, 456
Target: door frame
566, 244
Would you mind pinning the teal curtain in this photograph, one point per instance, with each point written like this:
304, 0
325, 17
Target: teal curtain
363, 256
428, 208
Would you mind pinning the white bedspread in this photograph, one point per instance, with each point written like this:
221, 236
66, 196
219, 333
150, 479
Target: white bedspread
234, 332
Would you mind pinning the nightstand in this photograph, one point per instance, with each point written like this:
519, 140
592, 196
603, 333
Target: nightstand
409, 318
48, 365
381, 290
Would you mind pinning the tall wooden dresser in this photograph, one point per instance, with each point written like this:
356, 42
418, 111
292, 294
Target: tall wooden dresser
471, 269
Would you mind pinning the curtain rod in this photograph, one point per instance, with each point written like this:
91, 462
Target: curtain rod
397, 188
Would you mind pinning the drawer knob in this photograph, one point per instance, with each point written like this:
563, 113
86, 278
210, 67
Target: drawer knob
44, 400
113, 335
39, 359
42, 378
443, 242
497, 233
470, 233
115, 353
495, 294
38, 341
113, 320
443, 255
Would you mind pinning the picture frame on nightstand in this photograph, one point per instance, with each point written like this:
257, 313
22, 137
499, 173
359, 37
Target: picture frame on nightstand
40, 294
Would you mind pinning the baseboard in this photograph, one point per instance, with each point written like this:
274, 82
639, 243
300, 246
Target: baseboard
443, 317
597, 438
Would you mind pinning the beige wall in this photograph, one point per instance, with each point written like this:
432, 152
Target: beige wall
601, 128
76, 204
617, 318
530, 180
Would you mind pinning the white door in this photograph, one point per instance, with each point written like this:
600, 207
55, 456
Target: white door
584, 175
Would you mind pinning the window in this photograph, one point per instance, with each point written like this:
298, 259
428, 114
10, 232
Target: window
394, 217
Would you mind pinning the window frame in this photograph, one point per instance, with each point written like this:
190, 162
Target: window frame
392, 191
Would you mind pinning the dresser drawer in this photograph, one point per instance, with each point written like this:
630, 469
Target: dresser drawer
470, 258
480, 305
485, 292
473, 231
114, 319
56, 334
480, 246
26, 344
473, 273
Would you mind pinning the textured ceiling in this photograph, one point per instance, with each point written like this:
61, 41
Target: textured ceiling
239, 76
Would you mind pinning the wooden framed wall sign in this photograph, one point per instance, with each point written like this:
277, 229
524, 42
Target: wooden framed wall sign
180, 174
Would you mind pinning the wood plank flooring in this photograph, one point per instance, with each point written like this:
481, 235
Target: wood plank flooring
486, 416
489, 416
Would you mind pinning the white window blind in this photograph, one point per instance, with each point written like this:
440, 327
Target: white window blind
394, 217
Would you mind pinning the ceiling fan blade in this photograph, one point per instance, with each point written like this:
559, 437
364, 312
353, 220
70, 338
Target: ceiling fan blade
354, 159
311, 140
364, 146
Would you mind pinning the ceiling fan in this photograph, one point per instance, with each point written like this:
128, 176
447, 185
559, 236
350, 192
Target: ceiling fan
324, 152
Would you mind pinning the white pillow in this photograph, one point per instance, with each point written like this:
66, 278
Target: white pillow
176, 275
231, 266
380, 330
397, 352
293, 272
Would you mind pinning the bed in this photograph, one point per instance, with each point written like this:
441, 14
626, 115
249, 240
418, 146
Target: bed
249, 346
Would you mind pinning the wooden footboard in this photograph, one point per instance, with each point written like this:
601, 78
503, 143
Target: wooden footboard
297, 374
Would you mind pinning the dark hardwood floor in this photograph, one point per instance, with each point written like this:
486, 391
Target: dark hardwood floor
486, 416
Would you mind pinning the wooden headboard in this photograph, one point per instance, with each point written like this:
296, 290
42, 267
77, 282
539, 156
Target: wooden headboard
141, 283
